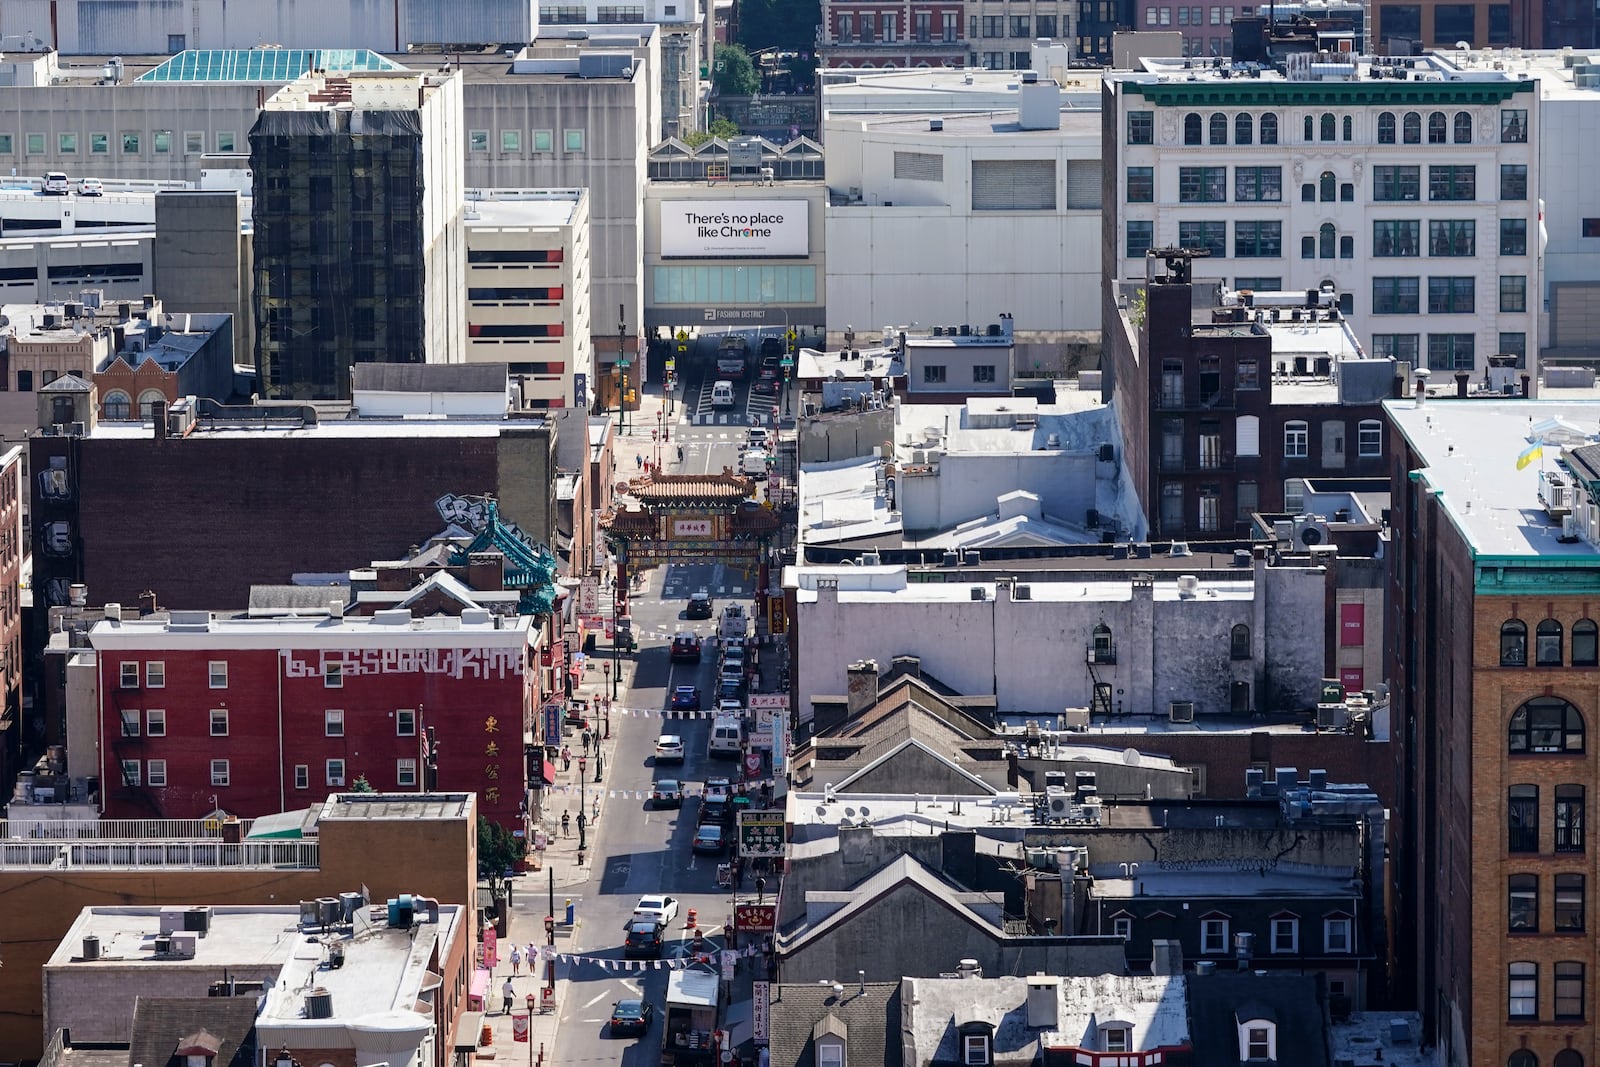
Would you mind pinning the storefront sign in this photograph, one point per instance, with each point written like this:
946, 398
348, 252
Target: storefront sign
691, 528
755, 918
589, 596
761, 834
769, 700
724, 228
759, 1018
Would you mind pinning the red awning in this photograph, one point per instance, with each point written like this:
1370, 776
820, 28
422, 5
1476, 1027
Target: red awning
547, 770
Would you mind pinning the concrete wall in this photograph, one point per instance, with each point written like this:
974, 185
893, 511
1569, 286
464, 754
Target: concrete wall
844, 436
966, 486
444, 253
202, 260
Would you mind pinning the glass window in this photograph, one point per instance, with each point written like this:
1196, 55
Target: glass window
130, 142
333, 723
1212, 236
573, 140
130, 772
933, 374
1461, 126
1327, 187
1452, 294
217, 673
1452, 237
155, 673
219, 772
1258, 240
1141, 234
1141, 185
1513, 181
155, 722
543, 140
1411, 128
1269, 129
1326, 240
405, 773
1391, 183
1569, 818
99, 144
1247, 500
1522, 818
1348, 128
1522, 990
511, 140
477, 140
1369, 438
1296, 440
7, 144
1451, 351
1327, 127
1515, 343
157, 769
1436, 127
1294, 495
35, 144
1247, 374
1202, 185
1239, 642
1396, 238
1569, 903
1141, 127
1336, 935
1522, 903
1386, 127
1569, 994
219, 722
227, 140
162, 141
130, 722
1513, 237
1585, 652
1400, 346
1213, 936
1546, 725
1243, 123
1308, 128
1513, 643
194, 142
302, 776
1457, 181
1218, 129
333, 675
1513, 293
1547, 644
1396, 295
405, 722
67, 144
335, 772
1192, 128
1513, 126
1258, 184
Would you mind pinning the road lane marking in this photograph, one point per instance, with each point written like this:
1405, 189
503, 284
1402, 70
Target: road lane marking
603, 995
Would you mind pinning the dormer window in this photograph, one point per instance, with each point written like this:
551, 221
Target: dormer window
975, 1050
1116, 1036
1258, 1034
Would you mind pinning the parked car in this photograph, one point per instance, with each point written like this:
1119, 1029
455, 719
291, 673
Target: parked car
91, 187
733, 656
759, 437
718, 789
700, 606
56, 184
731, 689
708, 839
730, 672
645, 938
631, 1016
669, 749
667, 793
686, 698
686, 648
729, 707
663, 909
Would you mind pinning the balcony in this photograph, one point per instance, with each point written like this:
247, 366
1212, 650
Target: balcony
171, 855
1101, 654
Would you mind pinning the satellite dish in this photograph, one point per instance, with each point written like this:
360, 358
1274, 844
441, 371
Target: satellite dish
850, 812
865, 812
822, 809
1130, 756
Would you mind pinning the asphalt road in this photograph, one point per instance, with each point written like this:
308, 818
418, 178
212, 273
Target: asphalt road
637, 850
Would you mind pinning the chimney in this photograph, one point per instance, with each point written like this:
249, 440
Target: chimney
158, 416
969, 968
861, 687
1420, 392
1166, 956
147, 603
336, 609
1462, 378
1044, 997
1069, 904
1525, 381
486, 572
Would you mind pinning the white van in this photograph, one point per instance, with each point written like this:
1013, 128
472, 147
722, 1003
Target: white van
722, 394
726, 738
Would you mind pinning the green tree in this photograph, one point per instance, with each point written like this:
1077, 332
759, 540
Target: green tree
361, 785
787, 25
734, 74
498, 852
720, 127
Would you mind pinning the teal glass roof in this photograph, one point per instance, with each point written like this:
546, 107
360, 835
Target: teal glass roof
263, 64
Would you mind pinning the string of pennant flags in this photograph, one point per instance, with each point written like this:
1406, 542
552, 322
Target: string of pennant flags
713, 957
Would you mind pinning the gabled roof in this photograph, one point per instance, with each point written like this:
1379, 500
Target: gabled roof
444, 583
1297, 1003
915, 744
66, 383
162, 1026
903, 870
869, 1015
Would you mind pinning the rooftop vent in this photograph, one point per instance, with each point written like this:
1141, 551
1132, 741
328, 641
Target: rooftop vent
319, 1004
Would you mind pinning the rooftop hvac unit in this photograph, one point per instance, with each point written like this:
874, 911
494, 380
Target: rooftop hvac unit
309, 913
183, 945
1024, 592
1310, 531
319, 1004
1188, 585
1057, 802
1075, 718
1332, 717
197, 920
163, 946
328, 910
1180, 711
980, 593
336, 779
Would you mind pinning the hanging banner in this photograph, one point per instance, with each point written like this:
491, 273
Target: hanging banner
519, 1026
760, 991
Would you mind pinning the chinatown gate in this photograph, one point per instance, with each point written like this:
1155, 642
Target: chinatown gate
692, 518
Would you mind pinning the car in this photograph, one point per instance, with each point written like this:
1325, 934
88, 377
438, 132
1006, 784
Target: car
662, 909
686, 648
759, 437
56, 184
765, 387
645, 938
669, 748
718, 789
733, 656
722, 395
770, 368
729, 706
631, 1016
731, 673
666, 793
730, 689
715, 813
700, 606
771, 348
91, 187
686, 698
708, 839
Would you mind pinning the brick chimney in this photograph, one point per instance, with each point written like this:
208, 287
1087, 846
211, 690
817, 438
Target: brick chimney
486, 572
861, 687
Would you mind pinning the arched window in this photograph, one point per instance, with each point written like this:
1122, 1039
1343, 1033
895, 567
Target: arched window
1239, 642
1191, 128
1328, 187
1463, 128
1386, 127
1310, 128
1585, 643
1547, 644
1436, 127
148, 397
1349, 128
1327, 239
1327, 127
1567, 1057
1219, 129
1269, 129
1243, 128
1411, 128
118, 406
1522, 1058
1513, 643
1102, 648
1546, 725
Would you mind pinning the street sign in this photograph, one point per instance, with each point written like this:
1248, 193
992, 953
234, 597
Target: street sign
761, 834
786, 361
589, 596
755, 918
683, 335
761, 995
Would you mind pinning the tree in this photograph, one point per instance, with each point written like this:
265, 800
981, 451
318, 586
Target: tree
498, 852
361, 785
787, 25
720, 127
734, 74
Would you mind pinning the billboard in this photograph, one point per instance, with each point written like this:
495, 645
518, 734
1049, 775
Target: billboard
722, 228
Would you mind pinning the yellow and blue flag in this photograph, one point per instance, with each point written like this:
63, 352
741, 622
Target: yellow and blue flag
1528, 455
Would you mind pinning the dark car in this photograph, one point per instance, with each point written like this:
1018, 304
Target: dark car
632, 1016
644, 939
708, 839
715, 813
731, 690
686, 648
771, 348
700, 606
766, 386
686, 698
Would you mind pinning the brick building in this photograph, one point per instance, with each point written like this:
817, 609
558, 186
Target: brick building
1494, 597
258, 715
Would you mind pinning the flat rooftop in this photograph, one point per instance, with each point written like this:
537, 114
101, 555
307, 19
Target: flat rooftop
1411, 71
409, 807
1468, 451
889, 584
1224, 882
521, 207
334, 429
1075, 122
386, 627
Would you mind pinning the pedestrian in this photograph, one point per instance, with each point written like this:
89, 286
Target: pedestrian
586, 742
680, 453
566, 824
509, 993
566, 758
639, 461
596, 808
516, 961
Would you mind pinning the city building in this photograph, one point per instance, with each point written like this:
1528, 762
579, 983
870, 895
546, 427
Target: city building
423, 844
13, 548
375, 980
1495, 558
928, 33
1403, 28
358, 249
685, 47
527, 291
1410, 187
1208, 31
1228, 401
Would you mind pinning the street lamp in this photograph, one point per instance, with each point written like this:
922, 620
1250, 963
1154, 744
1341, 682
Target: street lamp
583, 821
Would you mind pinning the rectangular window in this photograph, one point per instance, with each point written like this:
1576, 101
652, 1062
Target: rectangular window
162, 141
1522, 818
1021, 26
1141, 185
130, 722
572, 140
975, 1050
1141, 127
99, 144
1569, 818
544, 140
1258, 240
217, 670
1513, 126
1522, 903
1450, 351
1513, 181
1399, 346
1396, 238
511, 140
1116, 1039
194, 143
219, 722
130, 772
1396, 296
933, 374
333, 722
983, 373
1513, 293
1258, 184
1212, 236
302, 776
1453, 181
155, 722
219, 772
1452, 237
1569, 903
1569, 983
1247, 501
333, 675
1396, 183
405, 773
1452, 295
1336, 936
1122, 927
35, 144
227, 141
335, 772
1247, 374
1514, 343
130, 676
8, 144
1591, 227
1296, 440
155, 673
1213, 936
1513, 237
1369, 438
477, 140
405, 723
1286, 935
1202, 185
130, 142
67, 144
156, 772
1258, 1043
1522, 990
1140, 235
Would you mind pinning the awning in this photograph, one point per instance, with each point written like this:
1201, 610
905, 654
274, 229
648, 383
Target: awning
468, 1031
547, 771
480, 986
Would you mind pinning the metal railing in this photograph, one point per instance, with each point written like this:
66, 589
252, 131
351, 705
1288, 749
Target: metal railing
207, 855
113, 829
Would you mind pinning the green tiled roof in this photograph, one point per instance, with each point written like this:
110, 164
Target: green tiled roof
262, 64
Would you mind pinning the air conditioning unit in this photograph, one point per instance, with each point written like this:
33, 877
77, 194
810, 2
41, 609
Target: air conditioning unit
1333, 717
1057, 803
1310, 531
1024, 592
336, 779
980, 593
1180, 711
1569, 529
183, 945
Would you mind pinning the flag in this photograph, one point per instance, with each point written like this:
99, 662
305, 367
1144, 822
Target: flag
1528, 455
519, 1027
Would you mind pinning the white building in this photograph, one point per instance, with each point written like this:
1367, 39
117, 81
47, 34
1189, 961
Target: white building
1412, 189
528, 290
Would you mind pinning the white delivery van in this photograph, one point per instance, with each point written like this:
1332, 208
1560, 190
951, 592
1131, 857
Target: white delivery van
722, 394
726, 738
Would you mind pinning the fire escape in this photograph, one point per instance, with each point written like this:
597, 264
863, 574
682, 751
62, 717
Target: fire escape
1101, 652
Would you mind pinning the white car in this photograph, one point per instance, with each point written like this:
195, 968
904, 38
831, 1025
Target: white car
91, 187
662, 909
669, 749
729, 706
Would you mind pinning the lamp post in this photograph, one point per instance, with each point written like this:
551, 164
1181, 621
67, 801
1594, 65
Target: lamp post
623, 391
583, 820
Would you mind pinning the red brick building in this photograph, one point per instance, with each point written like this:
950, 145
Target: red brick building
259, 715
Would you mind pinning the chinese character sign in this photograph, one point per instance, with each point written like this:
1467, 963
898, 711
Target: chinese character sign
761, 834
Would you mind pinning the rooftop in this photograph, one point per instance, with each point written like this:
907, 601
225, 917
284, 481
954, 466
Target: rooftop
408, 807
885, 584
262, 64
389, 89
1079, 123
522, 207
328, 429
394, 628
1345, 78
1564, 74
1223, 881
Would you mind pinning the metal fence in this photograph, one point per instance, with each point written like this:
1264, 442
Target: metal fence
20, 829
208, 855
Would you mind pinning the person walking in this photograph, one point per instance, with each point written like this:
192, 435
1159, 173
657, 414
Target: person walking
638, 461
566, 824
516, 961
508, 993
586, 742
566, 758
680, 453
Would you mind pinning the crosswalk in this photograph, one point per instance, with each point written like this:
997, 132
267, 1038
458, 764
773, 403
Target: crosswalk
729, 418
